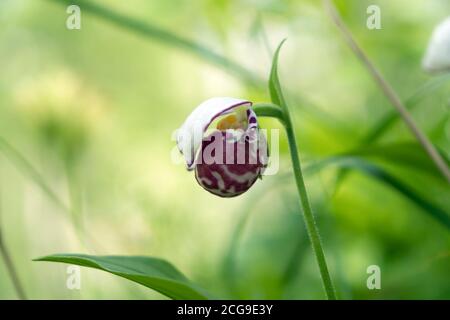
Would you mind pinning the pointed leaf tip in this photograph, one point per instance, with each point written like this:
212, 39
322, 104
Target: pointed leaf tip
276, 94
150, 272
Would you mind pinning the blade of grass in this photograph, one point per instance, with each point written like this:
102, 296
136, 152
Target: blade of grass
152, 31
10, 267
150, 272
310, 222
406, 154
392, 117
12, 271
355, 163
388, 91
75, 202
164, 36
30, 171
351, 163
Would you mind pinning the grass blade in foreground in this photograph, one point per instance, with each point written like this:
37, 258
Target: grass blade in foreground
389, 92
313, 232
153, 273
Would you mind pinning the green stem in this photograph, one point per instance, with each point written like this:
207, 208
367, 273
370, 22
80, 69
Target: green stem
310, 221
274, 111
279, 102
268, 110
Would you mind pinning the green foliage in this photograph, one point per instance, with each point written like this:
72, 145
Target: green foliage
165, 36
276, 93
391, 209
153, 273
388, 120
378, 173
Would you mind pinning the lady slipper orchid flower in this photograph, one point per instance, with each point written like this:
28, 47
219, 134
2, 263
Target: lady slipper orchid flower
220, 140
437, 57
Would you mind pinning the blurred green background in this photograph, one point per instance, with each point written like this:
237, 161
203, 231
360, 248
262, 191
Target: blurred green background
86, 124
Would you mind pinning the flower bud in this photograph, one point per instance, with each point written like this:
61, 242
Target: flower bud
228, 160
437, 57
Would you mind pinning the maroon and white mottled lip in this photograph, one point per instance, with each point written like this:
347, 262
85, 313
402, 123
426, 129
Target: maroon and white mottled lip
230, 178
214, 170
190, 135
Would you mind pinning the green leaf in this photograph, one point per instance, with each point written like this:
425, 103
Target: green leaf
406, 154
392, 116
276, 94
380, 174
153, 273
409, 154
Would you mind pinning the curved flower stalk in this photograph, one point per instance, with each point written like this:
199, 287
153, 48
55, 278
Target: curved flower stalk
235, 119
221, 142
437, 56
277, 97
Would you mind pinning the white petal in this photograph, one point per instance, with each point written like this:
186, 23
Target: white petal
437, 57
190, 135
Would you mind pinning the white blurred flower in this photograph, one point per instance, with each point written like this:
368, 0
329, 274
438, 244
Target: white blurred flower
437, 56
